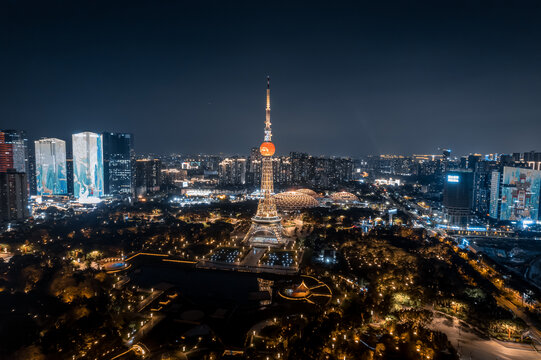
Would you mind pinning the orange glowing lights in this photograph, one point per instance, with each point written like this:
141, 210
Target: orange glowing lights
267, 149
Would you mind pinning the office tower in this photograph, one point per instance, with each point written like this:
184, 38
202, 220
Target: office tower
117, 163
147, 176
6, 154
266, 228
16, 150
232, 171
520, 194
16, 154
51, 169
457, 197
87, 166
13, 195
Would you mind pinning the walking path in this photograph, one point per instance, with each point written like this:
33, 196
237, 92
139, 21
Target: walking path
472, 347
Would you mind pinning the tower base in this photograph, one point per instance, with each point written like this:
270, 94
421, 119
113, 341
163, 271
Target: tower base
265, 234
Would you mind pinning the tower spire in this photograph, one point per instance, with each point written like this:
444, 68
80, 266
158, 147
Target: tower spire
268, 131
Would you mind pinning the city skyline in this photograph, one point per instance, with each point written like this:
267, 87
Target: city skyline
150, 208
362, 80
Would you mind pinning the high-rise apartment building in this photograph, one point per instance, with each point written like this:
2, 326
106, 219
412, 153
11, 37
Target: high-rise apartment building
51, 169
87, 166
530, 159
253, 167
232, 171
482, 183
118, 157
13, 195
495, 194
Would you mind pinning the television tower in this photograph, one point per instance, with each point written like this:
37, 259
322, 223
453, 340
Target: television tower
266, 229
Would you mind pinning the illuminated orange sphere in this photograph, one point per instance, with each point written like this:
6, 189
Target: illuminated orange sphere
267, 148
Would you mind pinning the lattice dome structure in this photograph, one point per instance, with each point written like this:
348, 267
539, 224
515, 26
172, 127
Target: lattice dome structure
294, 200
310, 192
344, 197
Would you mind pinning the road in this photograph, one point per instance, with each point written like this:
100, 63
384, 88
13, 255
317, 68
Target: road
472, 347
534, 332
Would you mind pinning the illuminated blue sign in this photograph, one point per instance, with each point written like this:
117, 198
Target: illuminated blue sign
476, 228
453, 178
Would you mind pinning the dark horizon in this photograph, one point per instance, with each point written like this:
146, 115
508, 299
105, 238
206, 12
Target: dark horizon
346, 80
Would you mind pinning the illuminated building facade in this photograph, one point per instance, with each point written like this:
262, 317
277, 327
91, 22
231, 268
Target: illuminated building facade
6, 154
266, 228
117, 163
520, 193
15, 154
16, 151
87, 166
51, 170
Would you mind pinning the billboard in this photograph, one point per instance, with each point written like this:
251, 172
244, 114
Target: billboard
51, 167
453, 178
87, 165
520, 194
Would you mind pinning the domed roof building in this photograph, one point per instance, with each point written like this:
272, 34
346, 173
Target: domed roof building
294, 200
344, 197
310, 192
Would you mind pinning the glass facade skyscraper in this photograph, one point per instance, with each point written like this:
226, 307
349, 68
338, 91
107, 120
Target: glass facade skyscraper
16, 154
117, 163
51, 171
87, 165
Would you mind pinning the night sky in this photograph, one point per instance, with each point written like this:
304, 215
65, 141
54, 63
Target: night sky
189, 77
